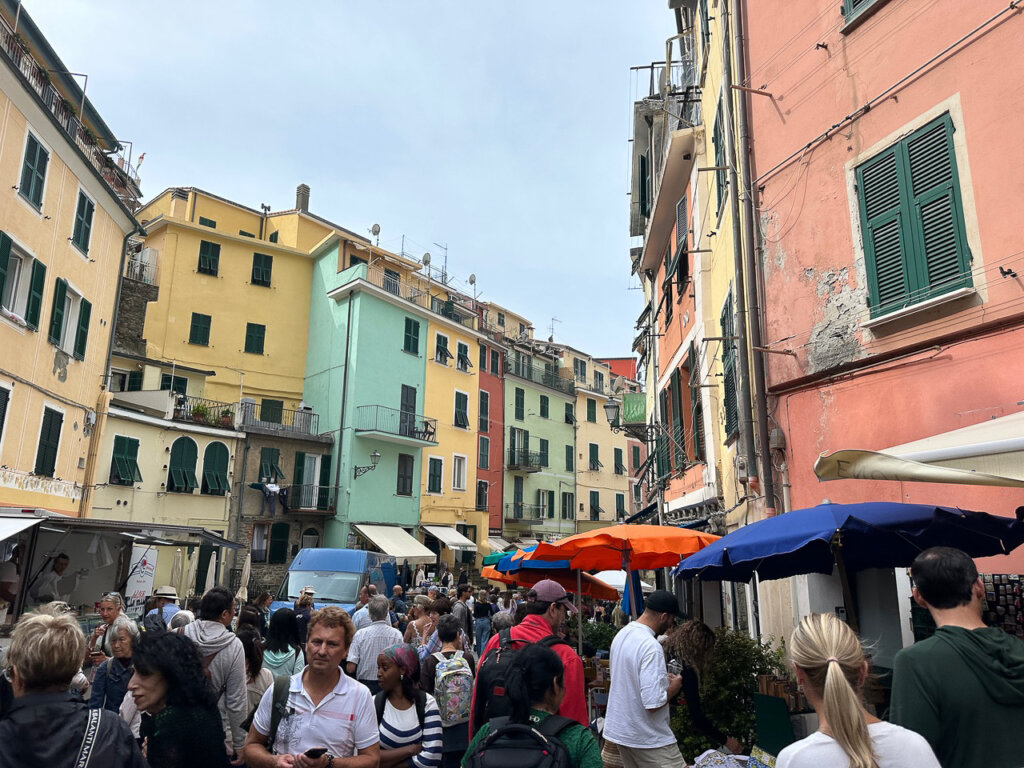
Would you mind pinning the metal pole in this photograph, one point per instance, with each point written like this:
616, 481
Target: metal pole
579, 610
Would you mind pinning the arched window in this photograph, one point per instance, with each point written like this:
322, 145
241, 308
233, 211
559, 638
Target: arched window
310, 538
215, 469
181, 473
279, 533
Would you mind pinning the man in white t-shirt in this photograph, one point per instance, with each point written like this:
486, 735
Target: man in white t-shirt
326, 709
637, 719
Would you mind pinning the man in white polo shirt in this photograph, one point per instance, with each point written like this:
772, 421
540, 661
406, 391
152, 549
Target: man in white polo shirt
637, 719
326, 709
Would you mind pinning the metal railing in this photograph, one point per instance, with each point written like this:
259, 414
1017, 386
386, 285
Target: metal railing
517, 511
261, 416
421, 292
199, 410
549, 378
304, 497
141, 271
519, 459
116, 170
393, 421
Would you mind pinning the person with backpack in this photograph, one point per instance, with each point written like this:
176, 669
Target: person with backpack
410, 725
165, 601
282, 651
532, 734
223, 660
544, 618
448, 676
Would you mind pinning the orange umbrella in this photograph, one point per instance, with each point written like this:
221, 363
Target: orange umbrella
591, 585
629, 547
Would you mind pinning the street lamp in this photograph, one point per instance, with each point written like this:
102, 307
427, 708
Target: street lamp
611, 412
374, 458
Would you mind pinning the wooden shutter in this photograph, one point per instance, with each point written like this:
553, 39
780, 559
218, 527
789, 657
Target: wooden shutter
299, 473
35, 295
33, 174
82, 334
182, 471
544, 406
412, 336
215, 469
5, 397
5, 258
543, 452
884, 231
569, 451
49, 441
323, 492
60, 294
83, 222
678, 435
595, 459
279, 533
729, 369
697, 412
520, 402
484, 416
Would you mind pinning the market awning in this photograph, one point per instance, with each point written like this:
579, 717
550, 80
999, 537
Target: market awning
396, 541
450, 537
644, 513
990, 453
143, 533
13, 526
497, 544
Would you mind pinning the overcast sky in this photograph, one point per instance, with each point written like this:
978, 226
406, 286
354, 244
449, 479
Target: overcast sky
498, 128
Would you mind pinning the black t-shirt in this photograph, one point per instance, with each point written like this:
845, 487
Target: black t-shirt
481, 610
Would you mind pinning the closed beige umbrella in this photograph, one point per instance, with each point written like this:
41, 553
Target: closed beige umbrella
243, 590
178, 571
193, 570
211, 571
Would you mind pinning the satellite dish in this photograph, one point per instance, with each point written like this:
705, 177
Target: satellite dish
426, 259
472, 279
375, 230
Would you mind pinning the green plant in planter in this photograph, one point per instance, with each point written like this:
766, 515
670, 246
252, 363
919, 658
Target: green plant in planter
599, 635
200, 413
727, 691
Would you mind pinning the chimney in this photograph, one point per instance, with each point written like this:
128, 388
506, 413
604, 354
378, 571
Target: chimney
302, 197
179, 203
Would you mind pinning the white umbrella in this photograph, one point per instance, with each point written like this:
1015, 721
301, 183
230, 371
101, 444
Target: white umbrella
211, 571
243, 590
617, 579
190, 580
177, 571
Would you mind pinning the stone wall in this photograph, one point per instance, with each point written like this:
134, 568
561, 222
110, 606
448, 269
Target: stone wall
131, 316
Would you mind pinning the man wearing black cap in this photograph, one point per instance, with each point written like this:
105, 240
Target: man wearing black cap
637, 719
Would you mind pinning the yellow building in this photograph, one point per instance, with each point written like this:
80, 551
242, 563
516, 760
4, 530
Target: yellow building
452, 394
65, 214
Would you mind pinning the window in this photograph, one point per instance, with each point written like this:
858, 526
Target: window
696, 409
620, 505
243, 233
215, 470
520, 404
441, 352
483, 359
729, 369
543, 452
598, 381
595, 505
485, 411
199, 332
635, 451
392, 282
181, 475
177, 384
33, 172
49, 442
568, 503
595, 461
411, 344
579, 369
124, 463
462, 357
705, 28
462, 410
273, 237
522, 329
718, 140
22, 279
405, 470
271, 410
310, 538
912, 220
620, 468
133, 382
544, 406
69, 320
636, 493
209, 258
495, 362
482, 486
260, 539
483, 458
644, 184
5, 398
262, 267
570, 417
666, 283
355, 261
270, 465
279, 534
501, 319
82, 231
205, 222
255, 335
435, 468
569, 456
591, 410
680, 266
854, 8
458, 473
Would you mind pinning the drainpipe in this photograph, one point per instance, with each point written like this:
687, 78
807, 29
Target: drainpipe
742, 348
241, 496
344, 397
752, 265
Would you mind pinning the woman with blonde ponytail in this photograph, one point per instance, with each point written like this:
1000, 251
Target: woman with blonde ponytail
830, 667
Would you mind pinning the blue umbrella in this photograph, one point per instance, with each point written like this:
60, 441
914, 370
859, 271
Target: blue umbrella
851, 537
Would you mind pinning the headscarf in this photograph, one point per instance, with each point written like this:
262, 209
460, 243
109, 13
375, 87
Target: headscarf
405, 658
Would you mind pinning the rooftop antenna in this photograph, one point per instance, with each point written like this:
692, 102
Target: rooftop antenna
472, 282
551, 329
444, 269
375, 231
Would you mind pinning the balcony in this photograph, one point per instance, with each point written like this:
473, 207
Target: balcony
422, 292
199, 410
546, 377
523, 461
525, 514
395, 426
141, 270
307, 499
268, 419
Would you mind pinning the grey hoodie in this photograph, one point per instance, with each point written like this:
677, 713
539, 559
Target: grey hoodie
227, 675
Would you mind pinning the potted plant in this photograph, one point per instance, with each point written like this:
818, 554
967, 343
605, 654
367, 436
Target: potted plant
200, 413
227, 418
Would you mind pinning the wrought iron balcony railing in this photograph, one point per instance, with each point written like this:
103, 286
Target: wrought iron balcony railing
540, 375
528, 461
199, 410
269, 417
393, 421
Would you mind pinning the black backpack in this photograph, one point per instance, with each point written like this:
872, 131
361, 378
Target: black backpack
515, 745
490, 701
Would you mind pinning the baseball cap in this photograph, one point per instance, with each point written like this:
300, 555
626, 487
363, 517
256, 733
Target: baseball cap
663, 601
549, 591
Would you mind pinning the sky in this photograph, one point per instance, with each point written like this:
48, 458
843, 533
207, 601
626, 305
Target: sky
497, 129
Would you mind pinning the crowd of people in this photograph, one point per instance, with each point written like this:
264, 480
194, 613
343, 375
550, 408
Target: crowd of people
451, 677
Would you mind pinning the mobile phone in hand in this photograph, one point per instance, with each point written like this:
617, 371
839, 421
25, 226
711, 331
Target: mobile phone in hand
315, 752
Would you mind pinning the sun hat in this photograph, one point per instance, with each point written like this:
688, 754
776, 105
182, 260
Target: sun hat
167, 592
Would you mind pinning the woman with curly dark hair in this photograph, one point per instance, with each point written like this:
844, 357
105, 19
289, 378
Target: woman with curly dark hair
181, 725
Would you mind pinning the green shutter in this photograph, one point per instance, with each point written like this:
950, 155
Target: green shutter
569, 451
5, 258
645, 185
209, 257
199, 331
215, 470
299, 473
483, 453
595, 461
544, 406
636, 456
134, 383
678, 435
434, 476
591, 410
182, 474
461, 410
718, 140
271, 411
255, 335
620, 469
323, 493
697, 411
49, 442
543, 452
729, 369
273, 237
520, 403
83, 222
884, 221
262, 267
82, 334
279, 533
60, 294
33, 172
205, 222
124, 465
35, 295
412, 336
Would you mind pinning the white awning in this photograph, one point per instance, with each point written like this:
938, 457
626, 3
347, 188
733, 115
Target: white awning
450, 537
990, 453
12, 526
396, 541
497, 544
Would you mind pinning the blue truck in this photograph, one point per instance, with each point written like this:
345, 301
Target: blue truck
336, 576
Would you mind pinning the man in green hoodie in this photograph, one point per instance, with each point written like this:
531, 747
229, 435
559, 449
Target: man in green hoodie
963, 688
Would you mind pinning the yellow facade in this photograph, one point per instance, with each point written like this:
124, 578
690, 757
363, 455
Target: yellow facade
37, 375
448, 378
